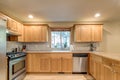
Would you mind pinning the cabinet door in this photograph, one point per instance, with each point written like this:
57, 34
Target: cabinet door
96, 67
83, 33
66, 63
91, 66
36, 33
9, 23
28, 34
55, 63
117, 76
99, 71
96, 33
77, 34
43, 33
12, 24
45, 64
108, 73
116, 67
33, 63
20, 31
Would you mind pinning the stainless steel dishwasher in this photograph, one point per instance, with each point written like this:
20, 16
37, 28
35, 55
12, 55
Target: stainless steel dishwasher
80, 63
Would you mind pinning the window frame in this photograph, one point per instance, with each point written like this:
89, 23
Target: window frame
62, 48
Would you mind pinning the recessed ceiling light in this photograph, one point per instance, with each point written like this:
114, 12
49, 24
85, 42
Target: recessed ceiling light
30, 16
97, 15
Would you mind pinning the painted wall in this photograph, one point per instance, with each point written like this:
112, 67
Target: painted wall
111, 37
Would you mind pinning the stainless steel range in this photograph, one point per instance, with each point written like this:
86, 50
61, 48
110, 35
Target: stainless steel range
17, 67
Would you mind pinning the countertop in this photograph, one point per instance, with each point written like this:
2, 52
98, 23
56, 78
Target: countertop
114, 56
60, 51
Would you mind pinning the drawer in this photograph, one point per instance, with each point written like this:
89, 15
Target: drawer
116, 63
66, 55
96, 58
107, 61
116, 69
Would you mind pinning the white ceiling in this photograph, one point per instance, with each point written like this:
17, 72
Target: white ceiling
61, 10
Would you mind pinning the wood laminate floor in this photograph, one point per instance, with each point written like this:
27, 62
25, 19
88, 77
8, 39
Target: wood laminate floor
57, 77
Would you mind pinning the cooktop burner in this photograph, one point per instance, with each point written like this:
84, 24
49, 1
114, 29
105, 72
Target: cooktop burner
13, 55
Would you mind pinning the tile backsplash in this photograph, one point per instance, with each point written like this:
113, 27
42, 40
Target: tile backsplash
46, 46
12, 44
37, 46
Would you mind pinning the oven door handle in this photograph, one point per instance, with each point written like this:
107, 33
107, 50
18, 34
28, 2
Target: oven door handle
17, 60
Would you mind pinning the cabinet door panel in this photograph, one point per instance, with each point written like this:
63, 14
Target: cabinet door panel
33, 64
36, 33
108, 73
66, 65
12, 24
66, 62
43, 34
56, 64
21, 31
91, 66
85, 33
45, 64
77, 34
28, 34
117, 76
96, 33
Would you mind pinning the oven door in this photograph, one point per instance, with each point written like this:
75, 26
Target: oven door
17, 69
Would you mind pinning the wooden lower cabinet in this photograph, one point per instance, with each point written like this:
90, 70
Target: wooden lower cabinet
117, 76
116, 72
66, 64
96, 67
32, 63
43, 62
38, 63
55, 63
104, 68
108, 73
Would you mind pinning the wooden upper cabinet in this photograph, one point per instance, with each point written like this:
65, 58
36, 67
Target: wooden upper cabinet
12, 24
28, 33
82, 33
44, 33
36, 33
77, 37
96, 33
88, 33
21, 32
85, 33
